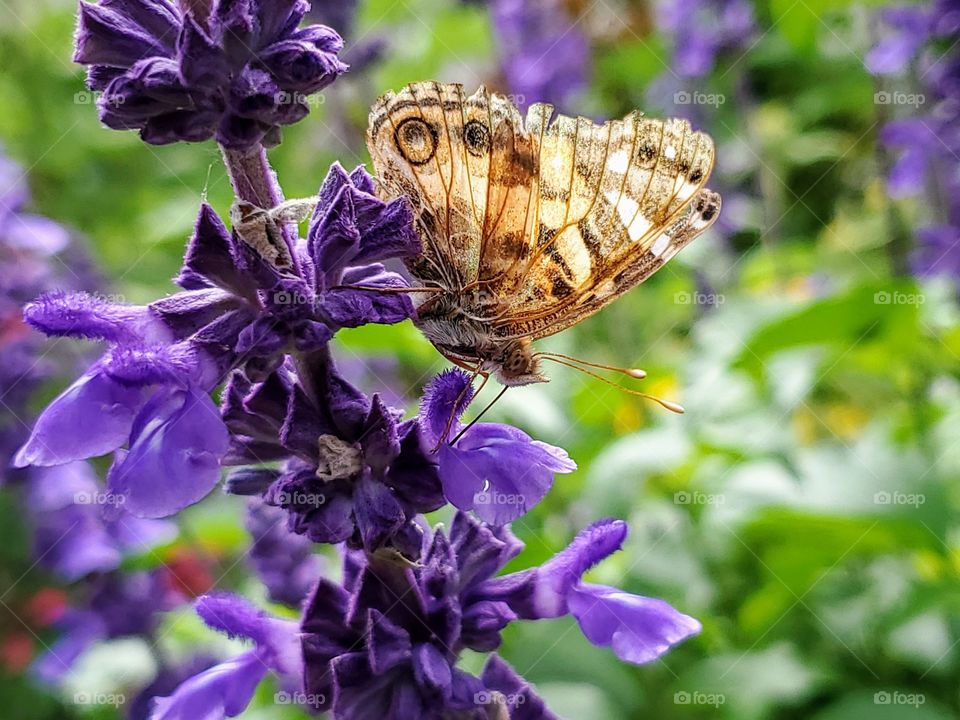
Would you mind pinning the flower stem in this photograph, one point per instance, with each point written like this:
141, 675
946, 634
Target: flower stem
255, 182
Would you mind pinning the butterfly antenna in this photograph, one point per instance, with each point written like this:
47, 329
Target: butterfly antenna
374, 288
456, 404
636, 373
482, 412
671, 406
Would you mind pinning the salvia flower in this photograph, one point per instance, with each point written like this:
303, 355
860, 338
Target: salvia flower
703, 29
150, 390
385, 643
925, 146
226, 689
36, 255
544, 53
72, 536
283, 561
496, 470
354, 470
905, 30
237, 72
110, 606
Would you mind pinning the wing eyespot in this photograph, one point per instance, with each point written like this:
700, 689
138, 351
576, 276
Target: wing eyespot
647, 154
476, 137
416, 140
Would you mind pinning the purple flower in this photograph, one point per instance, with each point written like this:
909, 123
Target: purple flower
284, 562
28, 268
543, 52
276, 310
386, 642
703, 29
226, 689
71, 535
150, 390
938, 251
353, 472
169, 677
238, 73
495, 470
638, 629
117, 605
906, 31
926, 145
919, 141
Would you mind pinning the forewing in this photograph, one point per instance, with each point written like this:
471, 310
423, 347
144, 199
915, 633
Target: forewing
418, 145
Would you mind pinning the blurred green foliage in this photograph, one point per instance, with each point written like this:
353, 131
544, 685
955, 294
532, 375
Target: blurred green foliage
804, 508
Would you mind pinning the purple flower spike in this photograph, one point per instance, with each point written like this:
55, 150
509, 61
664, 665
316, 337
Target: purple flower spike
226, 689
495, 470
238, 74
703, 29
638, 629
354, 472
906, 30
544, 52
284, 561
386, 643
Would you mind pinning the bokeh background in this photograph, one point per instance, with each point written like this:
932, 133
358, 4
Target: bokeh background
804, 508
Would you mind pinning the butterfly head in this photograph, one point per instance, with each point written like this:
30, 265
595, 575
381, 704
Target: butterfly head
513, 363
519, 365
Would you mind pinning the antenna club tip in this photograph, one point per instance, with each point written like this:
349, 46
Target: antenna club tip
673, 407
637, 373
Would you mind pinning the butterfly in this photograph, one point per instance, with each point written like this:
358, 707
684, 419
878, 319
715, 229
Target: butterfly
531, 224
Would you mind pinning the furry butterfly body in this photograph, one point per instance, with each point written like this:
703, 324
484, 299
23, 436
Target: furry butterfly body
531, 224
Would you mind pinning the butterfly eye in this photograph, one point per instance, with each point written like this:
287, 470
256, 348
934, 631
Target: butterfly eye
416, 140
477, 138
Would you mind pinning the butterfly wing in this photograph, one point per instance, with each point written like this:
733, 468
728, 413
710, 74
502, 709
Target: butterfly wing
466, 167
547, 218
614, 203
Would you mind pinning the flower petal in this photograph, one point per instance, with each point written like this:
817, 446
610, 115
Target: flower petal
64, 430
638, 629
222, 691
174, 458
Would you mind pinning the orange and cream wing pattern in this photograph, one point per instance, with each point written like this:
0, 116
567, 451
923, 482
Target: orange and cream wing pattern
546, 218
465, 165
616, 201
